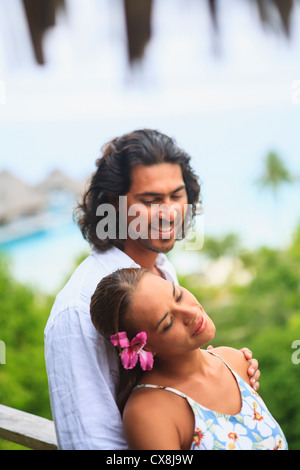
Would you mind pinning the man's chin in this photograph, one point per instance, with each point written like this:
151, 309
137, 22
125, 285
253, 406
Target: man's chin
158, 246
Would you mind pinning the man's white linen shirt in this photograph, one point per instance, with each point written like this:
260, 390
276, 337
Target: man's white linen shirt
82, 367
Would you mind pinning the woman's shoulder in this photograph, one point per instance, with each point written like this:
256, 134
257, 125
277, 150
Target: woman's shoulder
147, 400
149, 419
235, 359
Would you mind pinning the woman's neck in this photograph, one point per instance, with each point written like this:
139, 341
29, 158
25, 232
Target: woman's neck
182, 368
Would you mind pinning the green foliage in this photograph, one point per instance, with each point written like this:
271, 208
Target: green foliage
227, 245
23, 379
263, 315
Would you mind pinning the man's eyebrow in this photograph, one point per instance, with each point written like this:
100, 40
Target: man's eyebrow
167, 313
152, 193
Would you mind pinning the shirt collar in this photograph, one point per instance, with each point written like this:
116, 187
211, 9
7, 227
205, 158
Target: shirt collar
118, 259
115, 258
161, 260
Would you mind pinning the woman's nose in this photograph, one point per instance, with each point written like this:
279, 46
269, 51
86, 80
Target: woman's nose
188, 314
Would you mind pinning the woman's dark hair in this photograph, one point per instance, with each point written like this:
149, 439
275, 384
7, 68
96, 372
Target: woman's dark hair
113, 178
109, 306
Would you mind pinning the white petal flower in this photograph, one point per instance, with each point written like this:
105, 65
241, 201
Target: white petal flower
233, 435
203, 438
258, 419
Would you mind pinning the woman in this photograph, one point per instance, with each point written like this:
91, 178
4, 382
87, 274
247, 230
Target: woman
183, 397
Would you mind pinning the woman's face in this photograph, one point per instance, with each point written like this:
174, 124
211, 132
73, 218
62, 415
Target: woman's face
171, 316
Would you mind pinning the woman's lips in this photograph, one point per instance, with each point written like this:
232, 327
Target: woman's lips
200, 326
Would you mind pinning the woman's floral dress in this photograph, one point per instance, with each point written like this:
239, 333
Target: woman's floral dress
253, 428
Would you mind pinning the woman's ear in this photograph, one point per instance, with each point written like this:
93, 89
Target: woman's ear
149, 349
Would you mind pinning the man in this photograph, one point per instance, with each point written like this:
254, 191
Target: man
138, 201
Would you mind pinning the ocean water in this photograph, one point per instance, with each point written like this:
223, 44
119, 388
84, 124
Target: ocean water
227, 150
45, 260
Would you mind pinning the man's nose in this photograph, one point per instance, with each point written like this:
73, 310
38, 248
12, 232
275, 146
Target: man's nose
167, 211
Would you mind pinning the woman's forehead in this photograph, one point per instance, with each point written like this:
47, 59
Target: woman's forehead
150, 301
150, 290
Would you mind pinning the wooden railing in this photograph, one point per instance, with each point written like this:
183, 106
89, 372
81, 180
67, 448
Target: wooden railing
26, 429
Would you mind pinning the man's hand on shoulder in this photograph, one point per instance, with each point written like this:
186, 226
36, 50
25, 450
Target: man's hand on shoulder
252, 371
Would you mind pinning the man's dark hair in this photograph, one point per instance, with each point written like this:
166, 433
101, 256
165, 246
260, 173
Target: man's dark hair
113, 177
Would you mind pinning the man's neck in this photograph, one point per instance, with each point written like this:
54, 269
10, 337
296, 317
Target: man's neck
143, 256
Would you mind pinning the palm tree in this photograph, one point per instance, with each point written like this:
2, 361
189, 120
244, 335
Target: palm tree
274, 176
275, 173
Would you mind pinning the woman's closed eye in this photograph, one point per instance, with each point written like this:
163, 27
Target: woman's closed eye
168, 326
179, 297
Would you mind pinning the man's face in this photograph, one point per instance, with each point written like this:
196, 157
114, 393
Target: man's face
156, 204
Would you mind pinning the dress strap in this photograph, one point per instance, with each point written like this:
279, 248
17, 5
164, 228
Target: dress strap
174, 390
217, 355
160, 387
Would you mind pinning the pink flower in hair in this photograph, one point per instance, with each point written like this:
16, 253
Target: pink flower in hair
132, 350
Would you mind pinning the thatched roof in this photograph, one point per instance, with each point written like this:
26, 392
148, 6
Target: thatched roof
41, 14
58, 180
18, 198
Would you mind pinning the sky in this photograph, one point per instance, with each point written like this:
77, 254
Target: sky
228, 100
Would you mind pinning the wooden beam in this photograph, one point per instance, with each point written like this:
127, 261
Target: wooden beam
26, 429
138, 26
40, 16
